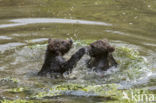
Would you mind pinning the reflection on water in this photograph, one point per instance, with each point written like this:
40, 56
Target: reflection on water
9, 46
38, 40
5, 37
117, 32
20, 22
10, 25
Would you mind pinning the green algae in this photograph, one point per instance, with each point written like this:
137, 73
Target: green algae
110, 91
19, 101
128, 52
16, 90
37, 46
9, 81
105, 90
130, 58
131, 64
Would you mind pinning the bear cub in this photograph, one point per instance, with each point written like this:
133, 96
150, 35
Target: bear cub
54, 62
101, 59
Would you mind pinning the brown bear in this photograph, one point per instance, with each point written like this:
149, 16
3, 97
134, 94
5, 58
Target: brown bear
100, 52
54, 62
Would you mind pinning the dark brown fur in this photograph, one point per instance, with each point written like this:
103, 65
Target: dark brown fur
101, 55
54, 61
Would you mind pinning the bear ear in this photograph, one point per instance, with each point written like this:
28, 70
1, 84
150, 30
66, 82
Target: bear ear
70, 41
49, 40
111, 49
105, 40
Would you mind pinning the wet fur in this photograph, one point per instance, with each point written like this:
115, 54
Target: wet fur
101, 55
54, 62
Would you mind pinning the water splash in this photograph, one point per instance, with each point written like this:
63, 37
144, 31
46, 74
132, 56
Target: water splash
132, 70
132, 67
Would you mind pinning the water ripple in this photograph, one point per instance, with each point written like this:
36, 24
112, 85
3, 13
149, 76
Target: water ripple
7, 46
37, 40
26, 21
5, 37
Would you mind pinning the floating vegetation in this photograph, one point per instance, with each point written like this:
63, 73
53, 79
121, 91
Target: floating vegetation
83, 42
105, 90
37, 46
110, 91
11, 82
132, 66
9, 79
16, 90
19, 101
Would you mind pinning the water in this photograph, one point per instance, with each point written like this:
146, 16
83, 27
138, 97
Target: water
26, 25
19, 22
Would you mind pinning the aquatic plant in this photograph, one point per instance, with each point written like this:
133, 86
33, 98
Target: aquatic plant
16, 90
18, 101
110, 91
131, 63
105, 90
9, 81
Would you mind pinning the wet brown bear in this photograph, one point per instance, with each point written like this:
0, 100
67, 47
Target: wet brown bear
101, 55
54, 62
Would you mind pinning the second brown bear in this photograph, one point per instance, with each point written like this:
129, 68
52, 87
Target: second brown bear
100, 52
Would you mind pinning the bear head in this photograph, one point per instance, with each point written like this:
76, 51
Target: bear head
99, 48
59, 46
